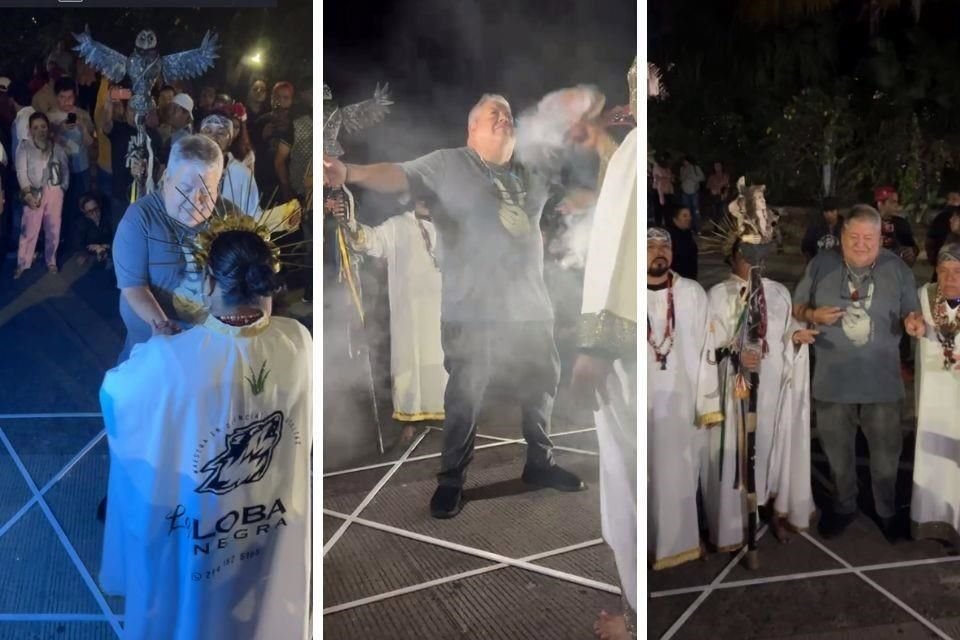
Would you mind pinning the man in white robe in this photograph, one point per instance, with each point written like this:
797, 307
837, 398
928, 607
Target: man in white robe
782, 463
935, 504
408, 243
208, 519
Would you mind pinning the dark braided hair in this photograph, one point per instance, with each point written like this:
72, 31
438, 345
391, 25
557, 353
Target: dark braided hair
242, 266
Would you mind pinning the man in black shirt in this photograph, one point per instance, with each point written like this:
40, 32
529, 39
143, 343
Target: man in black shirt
895, 230
94, 234
684, 243
823, 231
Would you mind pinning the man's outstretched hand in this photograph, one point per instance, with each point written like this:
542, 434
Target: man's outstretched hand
589, 379
334, 172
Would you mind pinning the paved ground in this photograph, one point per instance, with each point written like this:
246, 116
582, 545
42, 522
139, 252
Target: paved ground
58, 335
857, 586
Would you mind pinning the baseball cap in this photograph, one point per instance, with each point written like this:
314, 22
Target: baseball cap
882, 194
4, 84
185, 102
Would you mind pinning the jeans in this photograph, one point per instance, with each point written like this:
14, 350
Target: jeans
837, 429
523, 355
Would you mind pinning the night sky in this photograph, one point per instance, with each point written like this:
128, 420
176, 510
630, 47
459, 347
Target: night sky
440, 56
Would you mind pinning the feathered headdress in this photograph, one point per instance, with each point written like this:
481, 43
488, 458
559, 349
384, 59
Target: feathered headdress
748, 220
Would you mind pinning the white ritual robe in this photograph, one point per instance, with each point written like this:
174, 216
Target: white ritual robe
782, 468
239, 186
416, 356
208, 512
610, 299
935, 505
673, 441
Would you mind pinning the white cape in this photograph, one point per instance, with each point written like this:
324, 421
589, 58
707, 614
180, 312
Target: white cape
413, 280
611, 288
782, 468
208, 512
935, 505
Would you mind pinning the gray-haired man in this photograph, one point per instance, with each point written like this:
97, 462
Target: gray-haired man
859, 298
151, 267
497, 315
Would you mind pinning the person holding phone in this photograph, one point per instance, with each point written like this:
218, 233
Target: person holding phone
43, 174
74, 131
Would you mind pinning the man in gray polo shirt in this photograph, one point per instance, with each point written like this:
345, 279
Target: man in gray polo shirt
158, 293
497, 318
860, 298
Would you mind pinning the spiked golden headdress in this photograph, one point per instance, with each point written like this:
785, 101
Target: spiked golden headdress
233, 221
748, 219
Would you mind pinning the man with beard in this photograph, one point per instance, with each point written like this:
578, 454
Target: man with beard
935, 506
850, 296
497, 314
676, 331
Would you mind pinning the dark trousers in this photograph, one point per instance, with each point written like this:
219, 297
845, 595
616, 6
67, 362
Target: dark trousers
521, 356
837, 430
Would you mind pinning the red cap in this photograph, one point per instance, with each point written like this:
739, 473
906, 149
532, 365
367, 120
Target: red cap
882, 194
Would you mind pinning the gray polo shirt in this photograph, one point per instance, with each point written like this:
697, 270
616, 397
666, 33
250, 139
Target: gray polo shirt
490, 252
145, 253
858, 357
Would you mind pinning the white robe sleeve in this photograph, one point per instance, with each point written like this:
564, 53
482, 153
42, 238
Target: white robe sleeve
709, 397
375, 242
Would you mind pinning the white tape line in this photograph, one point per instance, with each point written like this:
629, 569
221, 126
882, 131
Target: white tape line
500, 442
78, 563
791, 577
372, 494
33, 500
480, 553
460, 576
900, 603
672, 631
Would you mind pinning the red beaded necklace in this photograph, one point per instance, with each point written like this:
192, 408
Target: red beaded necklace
662, 350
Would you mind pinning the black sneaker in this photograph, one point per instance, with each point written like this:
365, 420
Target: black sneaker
892, 529
446, 502
553, 476
834, 524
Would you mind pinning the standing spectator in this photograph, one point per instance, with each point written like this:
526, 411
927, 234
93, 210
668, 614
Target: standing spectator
897, 233
295, 149
73, 130
88, 86
718, 184
165, 96
180, 114
684, 243
823, 232
94, 233
940, 228
44, 174
691, 177
270, 128
208, 96
19, 96
45, 100
237, 184
241, 147
857, 298
117, 121
256, 102
663, 185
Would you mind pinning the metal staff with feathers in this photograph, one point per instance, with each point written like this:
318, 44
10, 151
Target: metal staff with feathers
341, 204
749, 229
143, 68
